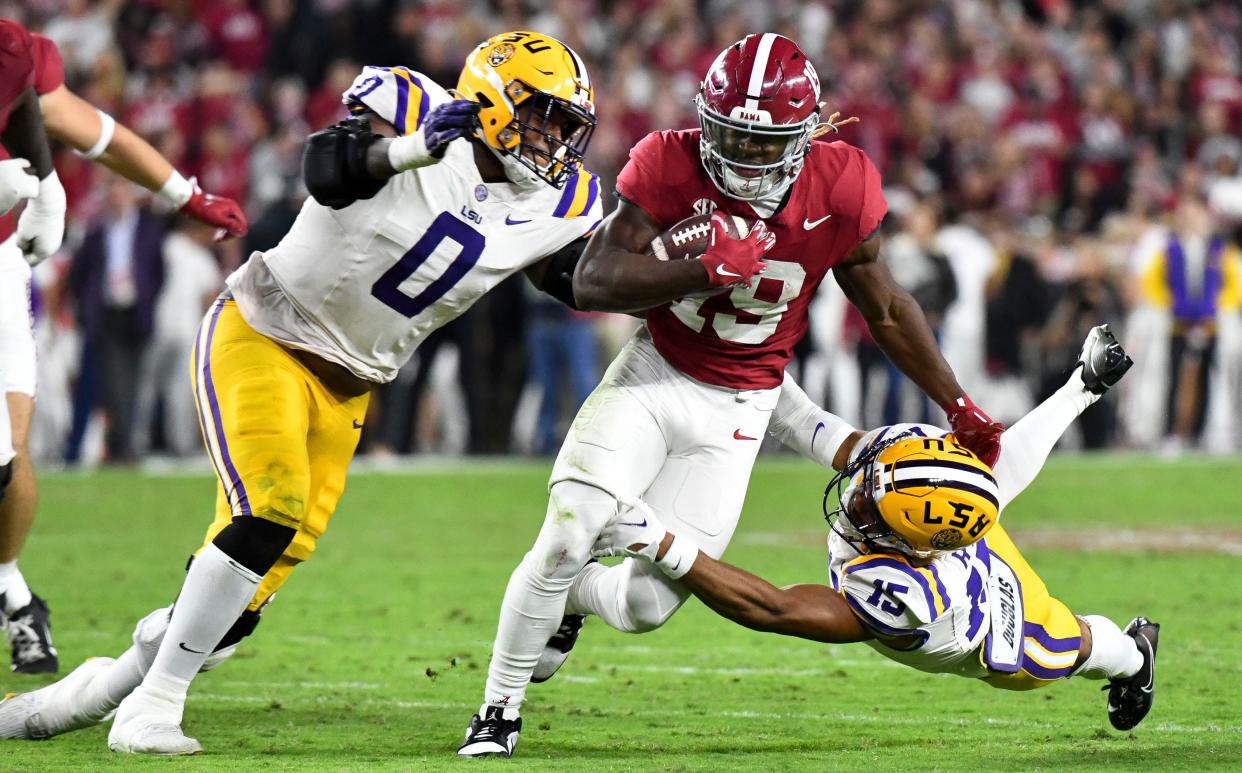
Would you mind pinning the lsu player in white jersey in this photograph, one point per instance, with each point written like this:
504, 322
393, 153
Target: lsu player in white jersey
919, 567
402, 236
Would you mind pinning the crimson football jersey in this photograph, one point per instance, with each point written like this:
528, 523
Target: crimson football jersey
44, 70
744, 338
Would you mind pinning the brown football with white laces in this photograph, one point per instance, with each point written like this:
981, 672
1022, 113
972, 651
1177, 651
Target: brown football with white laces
689, 238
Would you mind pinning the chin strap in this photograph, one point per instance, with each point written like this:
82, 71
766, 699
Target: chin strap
833, 124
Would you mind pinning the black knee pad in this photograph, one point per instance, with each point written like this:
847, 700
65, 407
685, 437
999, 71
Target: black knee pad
6, 475
253, 542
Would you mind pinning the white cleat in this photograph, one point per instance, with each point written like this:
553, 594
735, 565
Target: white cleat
77, 701
150, 723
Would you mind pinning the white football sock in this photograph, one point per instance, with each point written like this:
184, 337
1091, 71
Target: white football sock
216, 592
1025, 446
13, 586
124, 675
1113, 654
535, 597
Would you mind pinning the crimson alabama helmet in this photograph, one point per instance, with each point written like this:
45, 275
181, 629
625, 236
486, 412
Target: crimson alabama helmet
758, 107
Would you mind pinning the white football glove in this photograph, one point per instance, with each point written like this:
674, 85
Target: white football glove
16, 184
41, 227
636, 532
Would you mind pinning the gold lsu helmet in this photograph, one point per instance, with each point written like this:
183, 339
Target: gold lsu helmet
531, 84
914, 495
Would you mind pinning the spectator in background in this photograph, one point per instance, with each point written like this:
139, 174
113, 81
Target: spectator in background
924, 272
192, 279
561, 359
1090, 298
1018, 301
1193, 274
115, 280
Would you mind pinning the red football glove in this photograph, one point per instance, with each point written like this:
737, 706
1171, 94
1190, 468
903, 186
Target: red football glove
732, 261
223, 213
975, 429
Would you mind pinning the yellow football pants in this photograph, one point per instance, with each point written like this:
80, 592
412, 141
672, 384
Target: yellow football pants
1051, 633
280, 441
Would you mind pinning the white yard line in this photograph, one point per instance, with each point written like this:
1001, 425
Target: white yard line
883, 717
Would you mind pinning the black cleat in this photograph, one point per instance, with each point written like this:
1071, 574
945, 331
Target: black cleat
491, 735
556, 651
30, 636
1103, 360
1130, 699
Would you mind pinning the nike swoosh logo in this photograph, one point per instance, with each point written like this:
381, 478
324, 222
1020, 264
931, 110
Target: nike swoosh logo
639, 525
721, 270
187, 649
809, 224
357, 425
737, 435
511, 221
818, 427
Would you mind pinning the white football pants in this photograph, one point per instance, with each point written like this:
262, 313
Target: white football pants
647, 431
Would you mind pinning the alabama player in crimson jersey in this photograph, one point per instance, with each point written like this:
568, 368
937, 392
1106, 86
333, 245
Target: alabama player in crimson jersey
678, 418
25, 174
94, 135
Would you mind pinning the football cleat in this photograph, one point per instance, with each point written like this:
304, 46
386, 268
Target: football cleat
556, 651
77, 701
30, 637
148, 722
492, 734
1103, 360
1130, 699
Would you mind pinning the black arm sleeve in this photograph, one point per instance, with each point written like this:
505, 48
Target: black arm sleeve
25, 137
334, 164
559, 279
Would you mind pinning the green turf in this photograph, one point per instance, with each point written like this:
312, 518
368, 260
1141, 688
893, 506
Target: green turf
375, 655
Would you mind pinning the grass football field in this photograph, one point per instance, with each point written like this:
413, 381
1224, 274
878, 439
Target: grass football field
374, 655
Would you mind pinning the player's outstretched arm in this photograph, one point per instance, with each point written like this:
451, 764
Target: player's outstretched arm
814, 612
97, 136
614, 274
899, 327
807, 611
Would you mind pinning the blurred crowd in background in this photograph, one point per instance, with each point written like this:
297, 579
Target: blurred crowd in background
1048, 164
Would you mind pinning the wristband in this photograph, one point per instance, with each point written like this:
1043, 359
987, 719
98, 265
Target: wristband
409, 152
107, 127
681, 555
176, 191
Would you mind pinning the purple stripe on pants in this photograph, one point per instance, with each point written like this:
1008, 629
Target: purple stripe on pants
1038, 671
243, 502
1050, 643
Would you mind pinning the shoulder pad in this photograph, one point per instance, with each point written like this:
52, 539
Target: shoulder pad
398, 95
579, 196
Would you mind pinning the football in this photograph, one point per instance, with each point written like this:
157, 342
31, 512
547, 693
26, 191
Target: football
689, 238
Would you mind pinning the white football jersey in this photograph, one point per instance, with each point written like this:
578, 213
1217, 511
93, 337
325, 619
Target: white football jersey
930, 615
362, 286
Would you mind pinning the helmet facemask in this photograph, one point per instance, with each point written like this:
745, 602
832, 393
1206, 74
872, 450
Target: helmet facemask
548, 135
856, 517
750, 160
